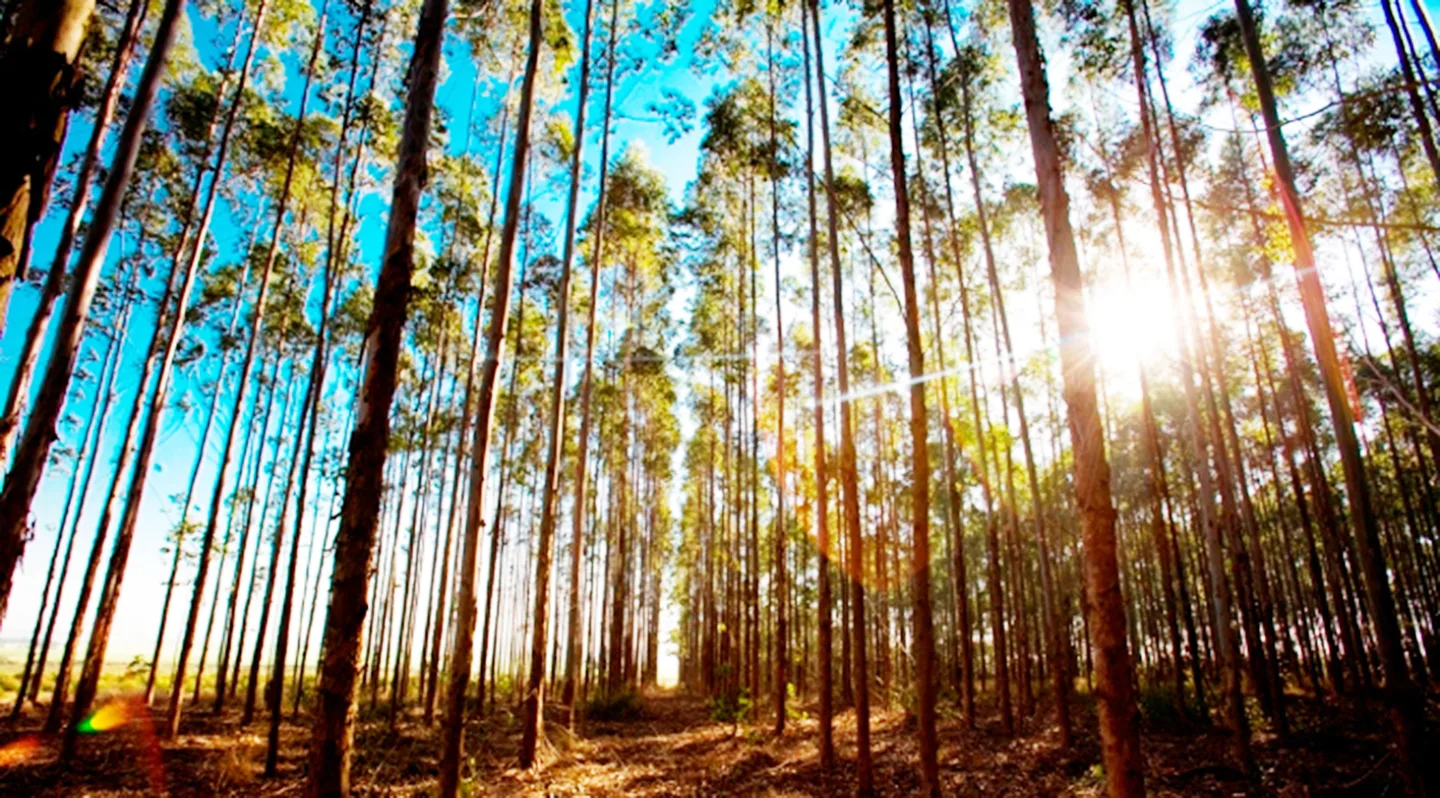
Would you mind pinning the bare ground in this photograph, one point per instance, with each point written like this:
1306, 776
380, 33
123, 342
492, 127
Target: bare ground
671, 747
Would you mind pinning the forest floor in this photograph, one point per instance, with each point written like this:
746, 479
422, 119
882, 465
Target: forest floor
668, 745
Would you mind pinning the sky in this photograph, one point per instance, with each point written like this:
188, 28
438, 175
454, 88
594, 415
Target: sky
1122, 317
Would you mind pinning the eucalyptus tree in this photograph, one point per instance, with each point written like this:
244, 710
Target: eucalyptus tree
972, 67
480, 447
1406, 715
121, 303
38, 71
1119, 728
535, 690
334, 729
575, 648
849, 488
824, 621
924, 636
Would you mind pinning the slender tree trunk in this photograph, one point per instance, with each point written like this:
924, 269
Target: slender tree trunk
1119, 732
494, 344
334, 728
822, 475
781, 522
80, 296
924, 636
576, 652
550, 487
223, 673
850, 492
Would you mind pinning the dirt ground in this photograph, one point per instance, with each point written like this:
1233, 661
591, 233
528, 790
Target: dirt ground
669, 746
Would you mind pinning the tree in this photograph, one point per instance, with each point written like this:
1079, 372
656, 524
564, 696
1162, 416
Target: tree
550, 488
849, 489
1120, 737
924, 640
334, 728
39, 72
485, 413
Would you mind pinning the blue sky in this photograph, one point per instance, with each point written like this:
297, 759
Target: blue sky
181, 432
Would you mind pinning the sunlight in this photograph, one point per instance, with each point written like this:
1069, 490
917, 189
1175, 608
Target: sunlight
1131, 324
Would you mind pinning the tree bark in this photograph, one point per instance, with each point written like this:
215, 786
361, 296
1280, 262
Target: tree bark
555, 421
924, 635
825, 621
849, 484
450, 760
1119, 717
334, 728
39, 73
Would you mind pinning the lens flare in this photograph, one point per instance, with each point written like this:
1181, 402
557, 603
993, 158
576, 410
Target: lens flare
110, 716
17, 751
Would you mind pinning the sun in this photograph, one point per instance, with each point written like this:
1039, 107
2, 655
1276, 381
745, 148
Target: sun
1131, 323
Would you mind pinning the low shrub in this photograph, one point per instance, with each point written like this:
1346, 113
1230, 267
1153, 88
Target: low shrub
623, 705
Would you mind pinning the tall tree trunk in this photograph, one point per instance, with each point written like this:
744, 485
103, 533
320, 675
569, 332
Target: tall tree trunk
576, 652
924, 636
102, 528
992, 544
1405, 711
550, 487
1119, 717
334, 728
822, 475
19, 394
230, 641
314, 387
781, 523
89, 450
850, 491
40, 75
450, 760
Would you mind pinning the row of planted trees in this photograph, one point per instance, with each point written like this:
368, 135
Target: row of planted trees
1263, 544
240, 234
899, 434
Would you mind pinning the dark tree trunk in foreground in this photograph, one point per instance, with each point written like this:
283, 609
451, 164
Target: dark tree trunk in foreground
334, 728
39, 83
29, 357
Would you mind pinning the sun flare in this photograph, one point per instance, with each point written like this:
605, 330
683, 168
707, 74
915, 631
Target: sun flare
1131, 324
